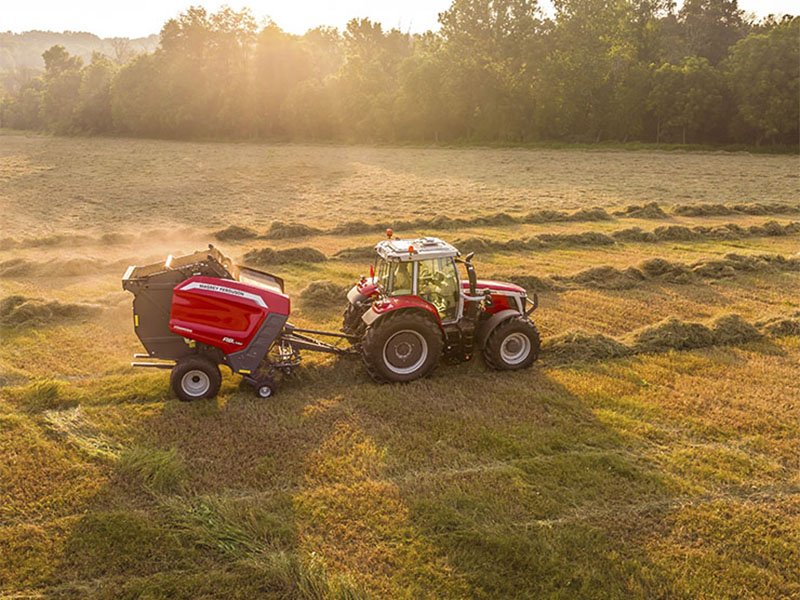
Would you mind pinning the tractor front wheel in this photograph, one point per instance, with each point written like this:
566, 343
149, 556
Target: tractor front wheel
514, 344
402, 346
194, 378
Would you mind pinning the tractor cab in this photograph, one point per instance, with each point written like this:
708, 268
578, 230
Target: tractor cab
424, 267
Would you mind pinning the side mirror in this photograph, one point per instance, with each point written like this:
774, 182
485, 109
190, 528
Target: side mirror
468, 257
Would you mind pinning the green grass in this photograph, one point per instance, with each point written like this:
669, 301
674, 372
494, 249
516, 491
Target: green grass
161, 471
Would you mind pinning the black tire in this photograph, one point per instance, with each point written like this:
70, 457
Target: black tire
195, 378
402, 346
351, 320
512, 345
265, 389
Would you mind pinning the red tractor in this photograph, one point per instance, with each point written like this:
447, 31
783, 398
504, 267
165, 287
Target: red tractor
197, 312
415, 307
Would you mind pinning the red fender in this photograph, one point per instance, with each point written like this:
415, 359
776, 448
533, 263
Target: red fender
387, 305
489, 325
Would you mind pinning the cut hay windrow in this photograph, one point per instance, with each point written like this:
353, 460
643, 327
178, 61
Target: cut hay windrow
781, 326
441, 222
21, 311
19, 268
112, 238
265, 257
660, 270
234, 233
647, 211
546, 241
322, 294
668, 233
671, 334
718, 209
651, 210
279, 230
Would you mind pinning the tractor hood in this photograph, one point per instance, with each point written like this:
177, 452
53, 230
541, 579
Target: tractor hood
495, 286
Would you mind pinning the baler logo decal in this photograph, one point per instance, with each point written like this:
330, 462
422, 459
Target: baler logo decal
210, 287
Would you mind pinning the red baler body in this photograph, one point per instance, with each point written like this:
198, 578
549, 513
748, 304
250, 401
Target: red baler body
223, 313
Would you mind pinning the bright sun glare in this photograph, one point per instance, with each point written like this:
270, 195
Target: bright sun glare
146, 17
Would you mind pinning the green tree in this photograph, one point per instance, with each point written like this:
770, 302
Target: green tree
764, 74
492, 51
711, 27
137, 98
94, 105
368, 85
688, 98
61, 95
23, 110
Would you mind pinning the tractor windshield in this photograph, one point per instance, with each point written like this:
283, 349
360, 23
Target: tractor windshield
395, 278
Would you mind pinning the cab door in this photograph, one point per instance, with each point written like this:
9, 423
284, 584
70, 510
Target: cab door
438, 283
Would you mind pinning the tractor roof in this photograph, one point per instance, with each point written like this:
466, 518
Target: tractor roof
424, 248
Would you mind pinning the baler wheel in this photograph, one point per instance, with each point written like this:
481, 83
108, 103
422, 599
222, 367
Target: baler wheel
194, 378
266, 389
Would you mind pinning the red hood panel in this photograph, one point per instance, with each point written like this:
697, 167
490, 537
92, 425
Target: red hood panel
497, 286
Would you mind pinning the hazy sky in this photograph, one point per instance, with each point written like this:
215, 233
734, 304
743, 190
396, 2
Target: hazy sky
136, 18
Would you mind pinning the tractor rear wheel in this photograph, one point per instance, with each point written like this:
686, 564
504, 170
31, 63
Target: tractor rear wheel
402, 346
194, 378
514, 344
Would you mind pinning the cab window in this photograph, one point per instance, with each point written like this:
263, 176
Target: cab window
395, 278
437, 282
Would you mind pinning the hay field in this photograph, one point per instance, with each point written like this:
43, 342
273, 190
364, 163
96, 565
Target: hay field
642, 457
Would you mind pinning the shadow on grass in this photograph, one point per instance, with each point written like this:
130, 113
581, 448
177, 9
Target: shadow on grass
467, 484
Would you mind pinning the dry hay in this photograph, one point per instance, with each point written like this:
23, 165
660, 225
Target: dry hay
46, 241
728, 231
676, 233
659, 269
323, 294
665, 270
579, 345
773, 228
279, 230
533, 283
553, 216
352, 228
499, 219
357, 253
22, 311
603, 278
21, 267
733, 329
544, 240
264, 257
234, 233
781, 326
734, 263
668, 335
634, 234
651, 210
478, 244
716, 210
587, 238
112, 238
675, 334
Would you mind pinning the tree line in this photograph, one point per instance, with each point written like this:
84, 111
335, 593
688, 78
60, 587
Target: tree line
496, 71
